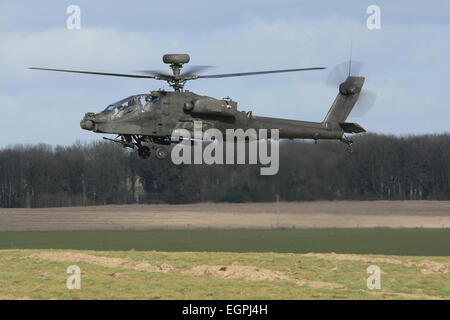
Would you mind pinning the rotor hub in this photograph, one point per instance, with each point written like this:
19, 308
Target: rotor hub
176, 62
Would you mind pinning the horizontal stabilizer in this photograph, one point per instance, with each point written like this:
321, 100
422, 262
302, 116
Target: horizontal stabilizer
351, 127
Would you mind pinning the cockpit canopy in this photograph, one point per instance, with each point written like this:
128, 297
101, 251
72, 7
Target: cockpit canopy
139, 103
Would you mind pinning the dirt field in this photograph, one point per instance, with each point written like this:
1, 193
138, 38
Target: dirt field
320, 214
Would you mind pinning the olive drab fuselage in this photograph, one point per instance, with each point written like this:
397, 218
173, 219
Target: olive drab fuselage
170, 110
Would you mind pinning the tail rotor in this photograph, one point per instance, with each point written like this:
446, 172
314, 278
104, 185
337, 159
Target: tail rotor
340, 73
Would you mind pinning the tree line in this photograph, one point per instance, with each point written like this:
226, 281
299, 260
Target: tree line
99, 173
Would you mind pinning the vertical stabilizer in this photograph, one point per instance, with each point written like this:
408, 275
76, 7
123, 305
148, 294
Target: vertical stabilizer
349, 92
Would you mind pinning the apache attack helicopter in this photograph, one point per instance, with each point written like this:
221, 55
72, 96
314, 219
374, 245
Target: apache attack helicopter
145, 122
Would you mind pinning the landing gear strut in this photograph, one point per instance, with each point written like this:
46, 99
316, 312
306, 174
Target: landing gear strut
135, 142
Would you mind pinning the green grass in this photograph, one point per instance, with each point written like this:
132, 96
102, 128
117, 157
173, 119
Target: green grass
412, 242
23, 275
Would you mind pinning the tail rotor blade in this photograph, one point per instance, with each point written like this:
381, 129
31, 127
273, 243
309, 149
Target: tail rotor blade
340, 72
336, 76
365, 102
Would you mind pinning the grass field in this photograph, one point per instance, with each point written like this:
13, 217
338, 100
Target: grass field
313, 250
41, 274
418, 242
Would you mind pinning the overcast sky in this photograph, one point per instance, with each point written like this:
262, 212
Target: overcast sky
406, 62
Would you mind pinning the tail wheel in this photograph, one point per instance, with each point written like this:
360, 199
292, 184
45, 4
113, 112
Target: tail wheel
144, 152
161, 153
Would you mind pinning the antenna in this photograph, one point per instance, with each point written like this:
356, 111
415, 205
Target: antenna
350, 64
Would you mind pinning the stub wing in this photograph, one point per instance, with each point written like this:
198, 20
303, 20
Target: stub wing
351, 127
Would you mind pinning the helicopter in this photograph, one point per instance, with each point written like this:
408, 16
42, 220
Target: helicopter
145, 122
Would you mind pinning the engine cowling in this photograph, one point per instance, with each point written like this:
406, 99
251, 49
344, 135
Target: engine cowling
211, 107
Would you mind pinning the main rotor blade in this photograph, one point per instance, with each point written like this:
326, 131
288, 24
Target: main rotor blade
194, 69
96, 73
256, 73
339, 73
154, 73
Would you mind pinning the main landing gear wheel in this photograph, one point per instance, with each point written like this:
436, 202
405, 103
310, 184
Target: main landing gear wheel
144, 152
161, 153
